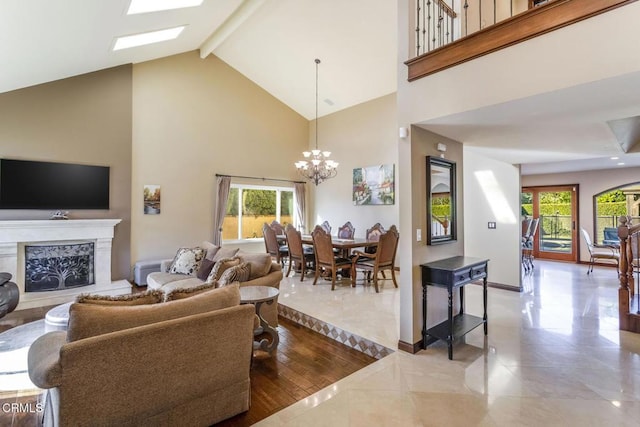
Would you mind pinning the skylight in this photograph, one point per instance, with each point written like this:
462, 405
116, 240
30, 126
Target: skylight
145, 6
126, 42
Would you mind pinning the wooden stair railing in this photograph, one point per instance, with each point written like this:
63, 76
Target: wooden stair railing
446, 49
629, 235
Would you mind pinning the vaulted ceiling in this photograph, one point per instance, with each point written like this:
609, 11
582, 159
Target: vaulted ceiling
274, 43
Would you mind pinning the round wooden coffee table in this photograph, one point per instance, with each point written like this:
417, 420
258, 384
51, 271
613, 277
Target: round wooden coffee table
258, 295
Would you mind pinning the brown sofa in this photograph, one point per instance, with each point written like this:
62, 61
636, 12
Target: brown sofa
263, 272
183, 362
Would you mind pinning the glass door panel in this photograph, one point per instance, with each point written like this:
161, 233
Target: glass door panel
556, 207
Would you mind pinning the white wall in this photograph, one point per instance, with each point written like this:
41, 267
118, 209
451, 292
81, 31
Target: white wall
594, 49
590, 183
492, 193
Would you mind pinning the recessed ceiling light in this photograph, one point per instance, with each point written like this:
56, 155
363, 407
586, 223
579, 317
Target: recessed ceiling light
142, 39
620, 164
615, 158
144, 6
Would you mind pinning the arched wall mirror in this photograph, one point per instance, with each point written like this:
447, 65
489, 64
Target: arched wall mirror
441, 200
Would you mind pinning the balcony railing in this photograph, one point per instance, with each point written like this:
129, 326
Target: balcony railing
450, 32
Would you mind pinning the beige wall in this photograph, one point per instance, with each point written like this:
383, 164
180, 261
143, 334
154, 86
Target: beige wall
86, 120
360, 136
193, 118
590, 183
423, 143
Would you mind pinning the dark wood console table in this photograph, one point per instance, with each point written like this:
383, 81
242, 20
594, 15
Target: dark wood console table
452, 273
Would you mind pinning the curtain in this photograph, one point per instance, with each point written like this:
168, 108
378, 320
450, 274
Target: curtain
224, 183
299, 190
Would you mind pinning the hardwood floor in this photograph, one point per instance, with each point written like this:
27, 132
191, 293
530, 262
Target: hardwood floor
305, 363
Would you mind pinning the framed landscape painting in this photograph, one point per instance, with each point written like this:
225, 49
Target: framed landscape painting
151, 199
374, 185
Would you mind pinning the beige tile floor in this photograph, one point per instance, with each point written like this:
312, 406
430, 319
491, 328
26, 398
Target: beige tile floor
553, 357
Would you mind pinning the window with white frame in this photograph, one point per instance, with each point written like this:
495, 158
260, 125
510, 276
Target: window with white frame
250, 206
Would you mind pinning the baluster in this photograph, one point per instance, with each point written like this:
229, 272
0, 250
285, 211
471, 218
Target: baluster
495, 16
440, 28
453, 28
432, 14
418, 27
480, 14
511, 8
466, 26
425, 42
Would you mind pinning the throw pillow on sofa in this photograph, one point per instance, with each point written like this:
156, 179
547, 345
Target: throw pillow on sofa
260, 263
181, 293
205, 268
238, 273
149, 297
212, 249
187, 261
223, 253
220, 267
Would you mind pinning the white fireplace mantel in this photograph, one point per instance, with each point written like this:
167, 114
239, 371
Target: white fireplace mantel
14, 234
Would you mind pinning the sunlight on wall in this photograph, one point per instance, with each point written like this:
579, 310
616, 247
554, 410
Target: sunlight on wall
495, 197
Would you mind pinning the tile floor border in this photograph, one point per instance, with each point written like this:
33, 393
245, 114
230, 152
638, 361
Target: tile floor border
347, 338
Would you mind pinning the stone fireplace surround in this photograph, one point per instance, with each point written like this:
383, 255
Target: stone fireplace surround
14, 234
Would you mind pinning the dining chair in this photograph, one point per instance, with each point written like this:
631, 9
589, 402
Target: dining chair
599, 252
277, 251
326, 227
346, 231
326, 260
304, 256
373, 234
383, 259
528, 238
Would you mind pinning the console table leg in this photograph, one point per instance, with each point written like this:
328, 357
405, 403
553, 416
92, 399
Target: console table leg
450, 337
424, 317
484, 300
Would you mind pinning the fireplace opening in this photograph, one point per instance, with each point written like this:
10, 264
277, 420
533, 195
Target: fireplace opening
53, 267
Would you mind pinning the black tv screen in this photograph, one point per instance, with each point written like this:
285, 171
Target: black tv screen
45, 185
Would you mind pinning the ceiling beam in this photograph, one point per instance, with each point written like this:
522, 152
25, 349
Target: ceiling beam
237, 18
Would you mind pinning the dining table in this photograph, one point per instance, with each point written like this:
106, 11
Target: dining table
343, 245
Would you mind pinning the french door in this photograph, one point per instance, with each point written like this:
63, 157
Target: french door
557, 208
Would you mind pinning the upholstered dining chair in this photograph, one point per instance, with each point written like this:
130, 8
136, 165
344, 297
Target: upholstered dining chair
277, 251
303, 256
326, 260
326, 227
346, 231
373, 234
383, 259
277, 227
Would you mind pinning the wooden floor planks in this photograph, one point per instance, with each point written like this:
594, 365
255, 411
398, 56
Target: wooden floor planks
305, 362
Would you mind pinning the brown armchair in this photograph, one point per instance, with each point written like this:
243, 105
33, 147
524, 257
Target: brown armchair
326, 260
304, 256
383, 259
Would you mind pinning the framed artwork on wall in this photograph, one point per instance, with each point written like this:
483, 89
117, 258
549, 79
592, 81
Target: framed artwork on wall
374, 185
151, 199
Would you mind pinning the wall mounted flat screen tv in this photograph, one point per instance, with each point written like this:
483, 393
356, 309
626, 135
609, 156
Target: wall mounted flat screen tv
28, 184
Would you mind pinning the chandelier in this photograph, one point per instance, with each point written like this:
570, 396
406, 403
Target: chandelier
318, 167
